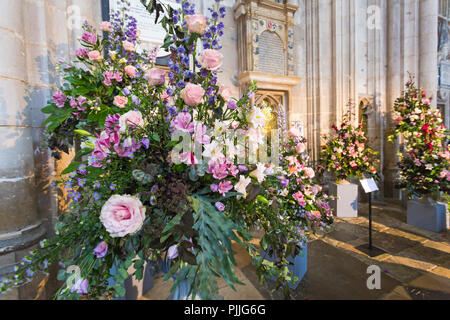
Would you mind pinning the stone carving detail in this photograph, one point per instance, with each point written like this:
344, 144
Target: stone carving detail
272, 58
266, 31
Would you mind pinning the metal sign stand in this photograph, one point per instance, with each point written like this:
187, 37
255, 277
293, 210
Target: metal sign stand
369, 186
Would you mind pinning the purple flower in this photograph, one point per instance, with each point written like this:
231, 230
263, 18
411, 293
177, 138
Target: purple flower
146, 143
220, 206
232, 104
59, 98
284, 182
214, 187
242, 168
172, 253
80, 286
250, 95
101, 250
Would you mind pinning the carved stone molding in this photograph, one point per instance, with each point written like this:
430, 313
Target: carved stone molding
256, 21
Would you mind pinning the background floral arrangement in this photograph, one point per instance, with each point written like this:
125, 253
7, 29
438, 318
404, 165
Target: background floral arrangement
139, 186
346, 153
425, 160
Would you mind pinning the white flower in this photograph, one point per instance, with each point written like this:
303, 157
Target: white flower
429, 166
241, 186
255, 135
232, 150
257, 118
284, 192
213, 151
219, 128
259, 173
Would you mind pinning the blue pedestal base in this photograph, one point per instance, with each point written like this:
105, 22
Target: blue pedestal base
134, 288
299, 267
427, 214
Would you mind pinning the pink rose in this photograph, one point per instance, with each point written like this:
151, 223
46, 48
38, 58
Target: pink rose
294, 132
131, 118
300, 148
156, 76
225, 93
106, 26
196, 23
192, 94
130, 71
128, 46
309, 172
211, 59
95, 56
122, 215
120, 101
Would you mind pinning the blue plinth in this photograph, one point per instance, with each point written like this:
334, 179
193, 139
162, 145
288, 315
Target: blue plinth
135, 288
427, 214
298, 268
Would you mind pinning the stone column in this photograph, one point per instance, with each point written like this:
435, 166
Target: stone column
20, 226
428, 28
393, 90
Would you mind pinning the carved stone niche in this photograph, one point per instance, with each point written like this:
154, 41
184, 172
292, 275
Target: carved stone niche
266, 36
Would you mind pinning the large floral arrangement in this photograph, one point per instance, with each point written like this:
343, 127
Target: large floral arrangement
162, 171
346, 153
425, 160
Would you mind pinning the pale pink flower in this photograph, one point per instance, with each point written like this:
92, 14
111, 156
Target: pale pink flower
156, 76
120, 101
128, 46
309, 172
200, 135
130, 71
211, 59
196, 23
225, 92
106, 26
300, 148
95, 56
192, 94
294, 133
122, 215
131, 118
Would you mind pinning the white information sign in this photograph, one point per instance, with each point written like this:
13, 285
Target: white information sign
369, 185
151, 33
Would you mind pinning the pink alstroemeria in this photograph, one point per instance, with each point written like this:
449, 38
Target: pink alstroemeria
183, 122
224, 187
188, 158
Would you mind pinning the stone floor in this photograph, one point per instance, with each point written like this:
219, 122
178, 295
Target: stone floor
416, 265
